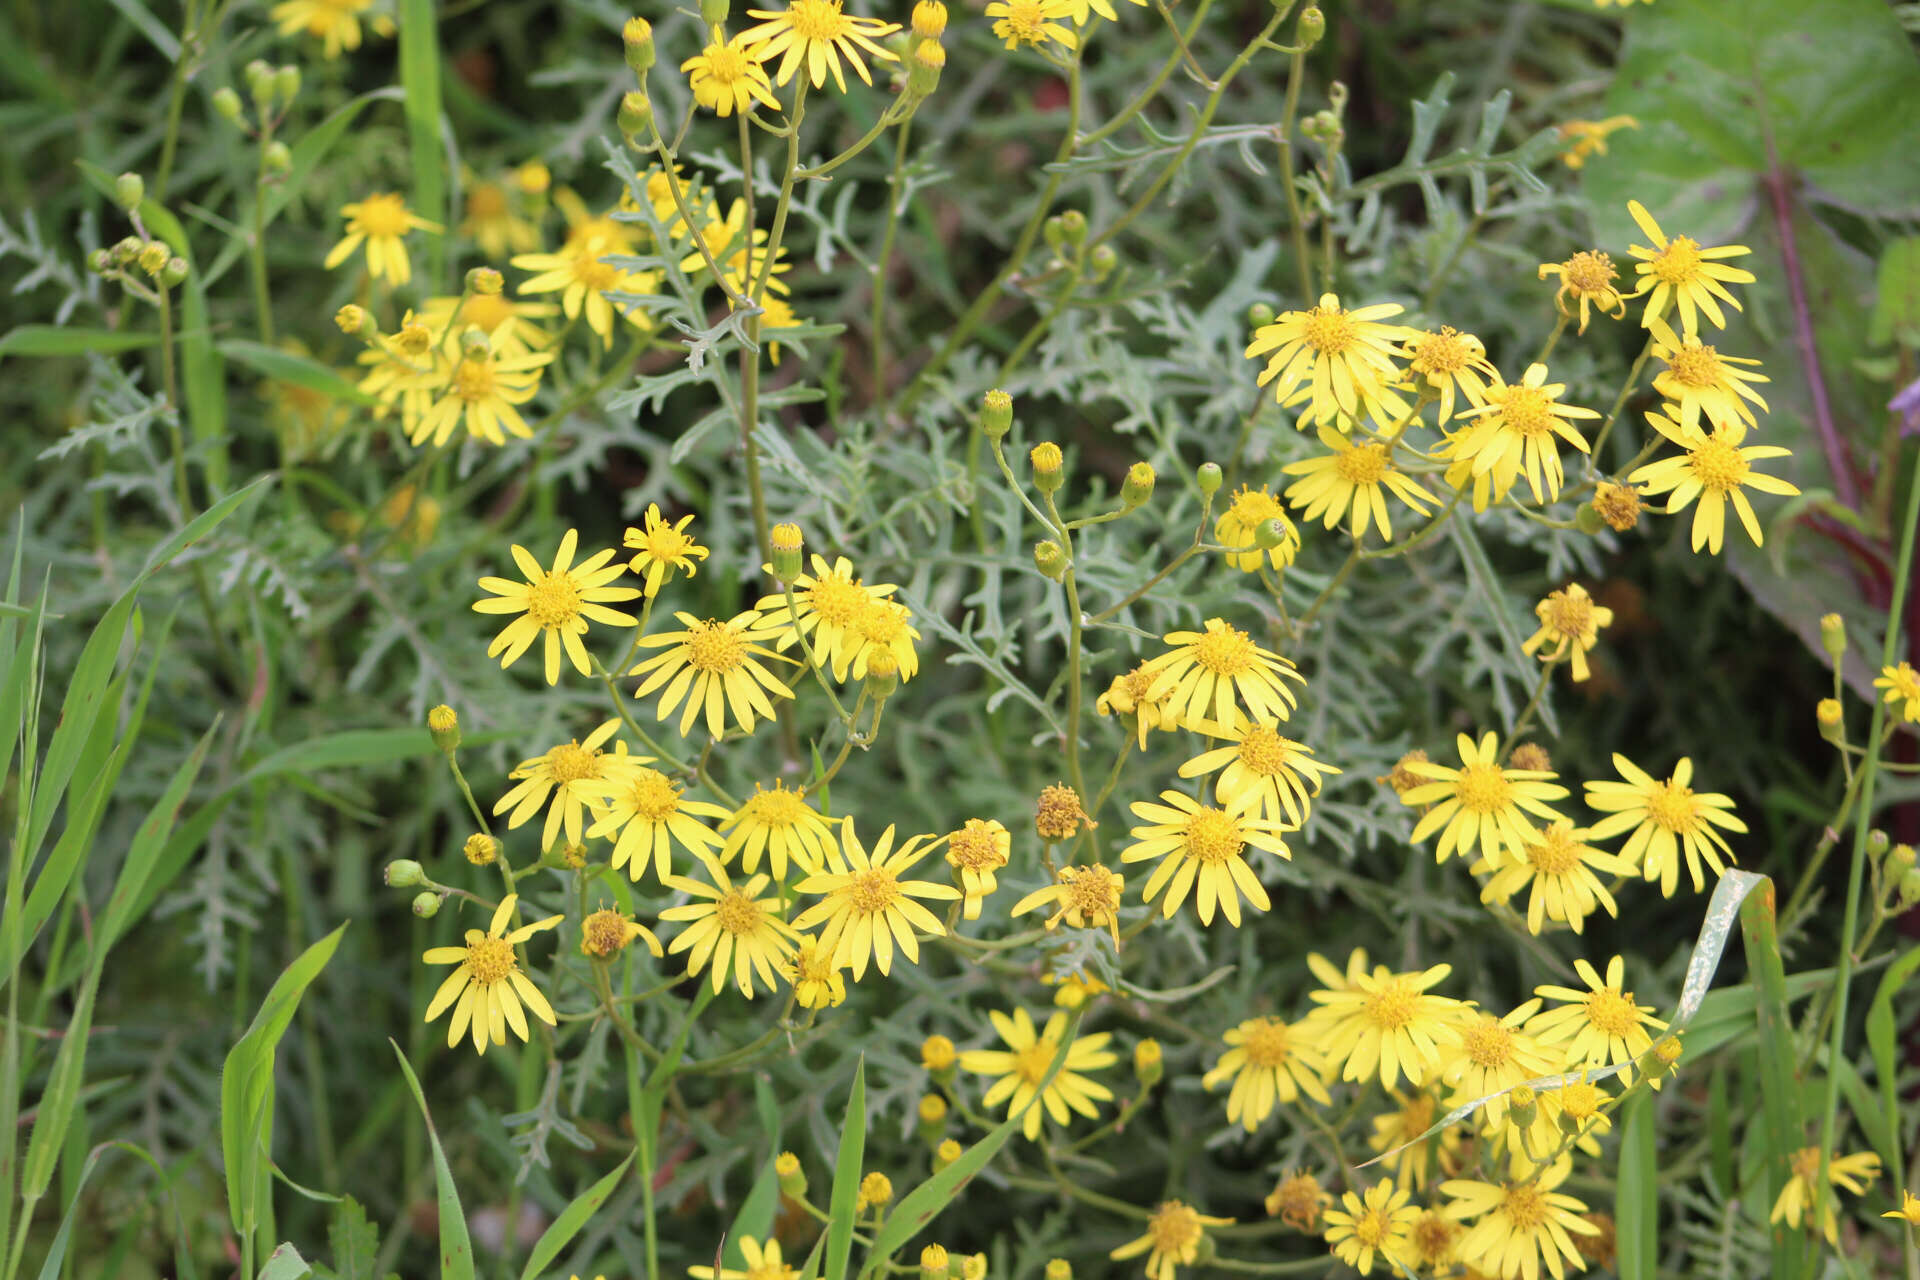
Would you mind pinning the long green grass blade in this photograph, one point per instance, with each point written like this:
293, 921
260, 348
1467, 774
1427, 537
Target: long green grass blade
456, 1248
420, 78
846, 1177
567, 1225
1779, 1070
1637, 1192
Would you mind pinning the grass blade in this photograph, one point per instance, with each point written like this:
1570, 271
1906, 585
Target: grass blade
1779, 1075
420, 78
1637, 1194
846, 1177
571, 1219
456, 1248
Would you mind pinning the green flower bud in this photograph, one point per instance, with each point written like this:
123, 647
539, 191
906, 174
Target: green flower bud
996, 414
1270, 534
1148, 1063
1208, 477
637, 35
485, 281
1103, 260
226, 104
1074, 224
883, 674
1900, 859
1523, 1106
1058, 1269
1138, 488
426, 905
714, 12
1833, 635
1311, 27
126, 251
1831, 717
1587, 520
1878, 843
1910, 888
924, 66
443, 722
286, 84
404, 873
99, 262
636, 112
1054, 230
793, 1179
1260, 315
787, 553
475, 344
278, 158
946, 1153
1046, 460
153, 257
175, 272
1050, 559
129, 189
933, 1263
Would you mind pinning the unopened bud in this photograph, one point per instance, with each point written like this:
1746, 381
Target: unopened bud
937, 1055
787, 548
1833, 635
637, 35
226, 104
426, 905
946, 1153
1523, 1106
929, 19
974, 1267
99, 262
1587, 520
351, 319
1900, 859
153, 257
876, 1190
932, 1110
1659, 1060
1831, 717
259, 78
793, 1179
1050, 558
996, 414
933, 1263
174, 273
1102, 260
714, 12
286, 84
129, 189
883, 674
474, 344
1138, 488
485, 281
443, 722
1074, 224
1148, 1064
1046, 460
404, 873
1311, 27
1269, 534
1260, 315
924, 67
126, 250
1878, 843
636, 112
1058, 1269
482, 850
1909, 888
278, 158
1208, 478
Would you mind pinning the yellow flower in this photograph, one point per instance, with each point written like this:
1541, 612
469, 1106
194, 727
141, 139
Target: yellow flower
725, 239
1206, 674
975, 851
1902, 685
815, 976
1268, 1064
885, 627
726, 78
608, 933
1402, 1133
733, 927
1201, 849
1239, 525
1032, 22
1086, 897
1434, 1243
1377, 1228
1572, 621
868, 907
583, 277
1130, 695
1346, 357
335, 21
1589, 137
488, 985
1352, 477
587, 229
1803, 1197
712, 665
818, 33
1024, 1064
786, 827
1493, 1055
380, 221
661, 549
1909, 1208
1699, 379
1447, 358
832, 601
558, 602
512, 328
1387, 1024
763, 1263
1680, 273
1666, 818
644, 812
1716, 470
1297, 1200
492, 224
1278, 772
1075, 989
482, 392
573, 773
1560, 866
1173, 1237
1599, 1025
775, 314
397, 376
1587, 279
1481, 803
1515, 428
1520, 1223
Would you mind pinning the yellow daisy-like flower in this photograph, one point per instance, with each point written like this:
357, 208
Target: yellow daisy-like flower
1571, 621
832, 602
1240, 524
1032, 22
607, 933
379, 221
1698, 379
574, 774
1268, 1064
1447, 358
1909, 1209
1804, 1197
1901, 685
1352, 477
512, 328
775, 314
1493, 1055
1434, 1244
483, 392
1667, 819
583, 278
660, 549
1173, 1237
885, 627
335, 21
1679, 273
975, 851
1207, 674
1514, 430
725, 239
726, 78
1278, 772
1334, 979
1201, 850
1600, 1025
1346, 357
1024, 1064
763, 1263
1481, 803
1409, 1155
1520, 1223
644, 813
1361, 1232
1085, 896
784, 826
712, 665
488, 986
1131, 695
1387, 1024
1298, 1200
733, 927
869, 907
815, 976
1586, 138
556, 602
1560, 866
1586, 279
817, 33
492, 224
1716, 470
1080, 8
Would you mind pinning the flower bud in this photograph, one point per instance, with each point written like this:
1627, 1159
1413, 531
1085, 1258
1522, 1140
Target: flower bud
933, 1263
100, 262
443, 722
1102, 260
1208, 477
637, 35
996, 414
1523, 1106
351, 319
937, 1055
1046, 461
1050, 559
1831, 717
1909, 888
1587, 520
924, 66
787, 547
474, 344
286, 84
1878, 843
259, 78
1138, 488
573, 855
1311, 27
883, 674
426, 905
1073, 224
714, 12
793, 1179
485, 281
174, 273
126, 250
226, 104
946, 1153
932, 1110
129, 189
533, 178
1833, 635
482, 850
876, 1190
278, 159
974, 1268
1260, 315
404, 873
1900, 859
153, 257
1269, 534
1659, 1059
636, 113
1147, 1062
1058, 1269
929, 19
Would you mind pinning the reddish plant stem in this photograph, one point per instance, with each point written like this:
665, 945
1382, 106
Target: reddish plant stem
1845, 482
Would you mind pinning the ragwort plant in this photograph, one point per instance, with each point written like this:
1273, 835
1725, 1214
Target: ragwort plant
956, 752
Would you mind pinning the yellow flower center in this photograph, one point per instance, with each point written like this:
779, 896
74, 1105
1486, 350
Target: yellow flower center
1589, 272
1025, 20
1555, 853
1679, 262
588, 270
485, 201
1527, 411
726, 64
571, 762
490, 960
873, 890
1253, 507
654, 796
1266, 1044
1225, 651
1444, 353
381, 215
1392, 1006
1297, 1200
1568, 614
884, 623
1612, 1012
1488, 1044
1526, 1206
604, 932
1695, 365
819, 19
1673, 807
488, 311
737, 913
1581, 1100
664, 543
553, 601
1174, 1228
715, 647
1330, 330
1371, 1229
1433, 1238
974, 847
1091, 891
473, 380
1033, 1061
1717, 465
1214, 836
1264, 752
776, 808
1806, 1163
1362, 465
1483, 789
414, 339
837, 599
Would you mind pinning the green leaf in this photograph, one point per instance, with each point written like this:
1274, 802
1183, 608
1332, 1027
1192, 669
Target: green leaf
285, 1263
1896, 301
456, 1249
56, 1258
1637, 1195
350, 749
301, 371
1480, 570
203, 382
149, 26
1775, 1050
420, 78
148, 841
354, 1240
846, 1177
571, 1219
1882, 1035
57, 1102
70, 340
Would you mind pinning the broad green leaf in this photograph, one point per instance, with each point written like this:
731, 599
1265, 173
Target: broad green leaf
302, 371
456, 1248
420, 78
847, 1172
575, 1216
1896, 301
354, 1240
285, 1263
70, 340
1636, 1205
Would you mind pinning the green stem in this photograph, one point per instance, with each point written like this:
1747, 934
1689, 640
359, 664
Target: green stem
1152, 90
875, 329
1620, 401
1289, 148
1527, 712
176, 104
